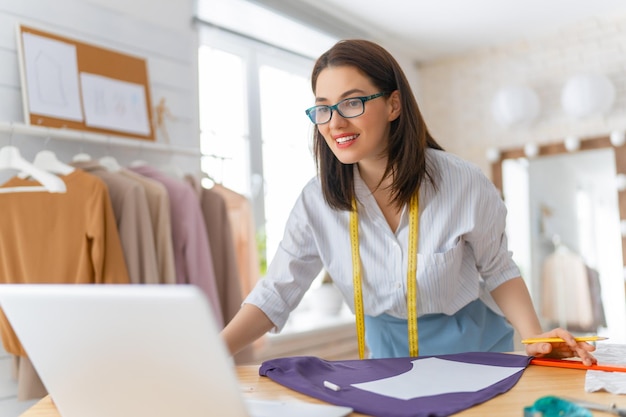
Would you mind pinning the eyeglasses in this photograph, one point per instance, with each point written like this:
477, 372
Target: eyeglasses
348, 108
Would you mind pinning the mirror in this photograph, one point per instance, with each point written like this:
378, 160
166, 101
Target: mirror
564, 229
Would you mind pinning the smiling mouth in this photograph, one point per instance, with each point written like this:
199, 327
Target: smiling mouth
345, 139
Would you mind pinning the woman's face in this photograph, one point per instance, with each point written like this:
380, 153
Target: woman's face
360, 138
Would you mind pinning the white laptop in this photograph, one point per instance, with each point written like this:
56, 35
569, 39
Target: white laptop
134, 350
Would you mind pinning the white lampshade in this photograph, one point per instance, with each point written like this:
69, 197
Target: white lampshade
587, 95
572, 143
618, 138
493, 154
531, 150
515, 106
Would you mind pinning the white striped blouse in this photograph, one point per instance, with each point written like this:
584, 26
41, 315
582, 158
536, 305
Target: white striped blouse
462, 253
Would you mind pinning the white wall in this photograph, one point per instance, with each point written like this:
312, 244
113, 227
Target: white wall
159, 30
456, 93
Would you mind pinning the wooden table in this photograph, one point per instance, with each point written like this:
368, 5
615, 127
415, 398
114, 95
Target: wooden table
536, 382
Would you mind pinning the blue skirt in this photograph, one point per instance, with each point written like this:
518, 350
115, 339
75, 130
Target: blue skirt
474, 328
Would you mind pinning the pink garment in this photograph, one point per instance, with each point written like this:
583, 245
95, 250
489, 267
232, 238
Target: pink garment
192, 251
159, 208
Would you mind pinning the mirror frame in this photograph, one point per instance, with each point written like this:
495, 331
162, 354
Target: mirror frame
557, 148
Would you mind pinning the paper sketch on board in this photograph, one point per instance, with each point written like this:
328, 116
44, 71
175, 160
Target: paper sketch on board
434, 376
51, 72
115, 105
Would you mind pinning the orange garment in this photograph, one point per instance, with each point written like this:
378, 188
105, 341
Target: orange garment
58, 238
244, 236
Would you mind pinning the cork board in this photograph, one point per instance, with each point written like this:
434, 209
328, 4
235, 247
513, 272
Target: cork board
67, 83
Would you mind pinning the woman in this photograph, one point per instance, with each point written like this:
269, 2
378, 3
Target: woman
413, 237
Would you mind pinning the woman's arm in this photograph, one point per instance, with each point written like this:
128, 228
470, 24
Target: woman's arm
249, 324
514, 300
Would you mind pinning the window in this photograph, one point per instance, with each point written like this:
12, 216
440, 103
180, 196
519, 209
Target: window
223, 122
255, 136
286, 135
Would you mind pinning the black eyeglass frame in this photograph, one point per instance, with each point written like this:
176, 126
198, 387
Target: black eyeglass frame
312, 110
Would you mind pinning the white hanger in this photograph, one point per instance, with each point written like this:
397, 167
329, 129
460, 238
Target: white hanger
110, 163
173, 171
10, 158
81, 157
138, 163
48, 161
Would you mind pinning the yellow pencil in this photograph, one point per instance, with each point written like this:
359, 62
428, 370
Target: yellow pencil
559, 340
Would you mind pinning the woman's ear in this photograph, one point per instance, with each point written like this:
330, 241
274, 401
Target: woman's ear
394, 105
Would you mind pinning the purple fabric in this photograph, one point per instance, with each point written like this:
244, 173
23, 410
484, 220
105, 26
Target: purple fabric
306, 374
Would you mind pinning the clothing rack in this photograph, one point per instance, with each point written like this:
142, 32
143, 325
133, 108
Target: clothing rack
98, 138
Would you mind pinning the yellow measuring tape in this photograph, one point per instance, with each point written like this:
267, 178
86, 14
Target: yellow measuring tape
356, 279
411, 278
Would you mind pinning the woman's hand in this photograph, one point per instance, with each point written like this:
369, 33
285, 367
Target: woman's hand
566, 349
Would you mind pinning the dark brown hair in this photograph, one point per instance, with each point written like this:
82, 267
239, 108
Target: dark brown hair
408, 137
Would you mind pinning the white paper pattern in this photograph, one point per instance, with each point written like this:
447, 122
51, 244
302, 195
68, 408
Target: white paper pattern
613, 382
434, 376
